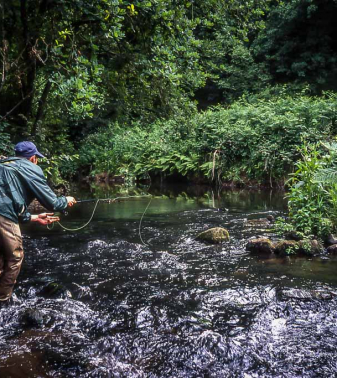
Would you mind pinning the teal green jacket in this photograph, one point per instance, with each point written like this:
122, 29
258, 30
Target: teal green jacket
20, 182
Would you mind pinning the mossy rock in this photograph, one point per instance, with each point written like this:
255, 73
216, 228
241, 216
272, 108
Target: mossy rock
310, 247
287, 247
260, 246
292, 247
214, 235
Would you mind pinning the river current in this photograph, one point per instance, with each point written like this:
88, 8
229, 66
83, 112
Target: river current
168, 306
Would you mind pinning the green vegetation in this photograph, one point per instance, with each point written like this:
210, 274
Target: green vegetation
208, 90
5, 143
256, 138
312, 196
69, 67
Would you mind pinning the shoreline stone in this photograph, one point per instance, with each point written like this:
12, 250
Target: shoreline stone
332, 249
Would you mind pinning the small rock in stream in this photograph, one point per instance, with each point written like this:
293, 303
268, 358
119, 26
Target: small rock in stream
214, 235
260, 222
32, 317
304, 295
55, 290
261, 245
332, 249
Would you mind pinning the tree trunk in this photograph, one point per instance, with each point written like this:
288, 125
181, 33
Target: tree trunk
42, 104
28, 80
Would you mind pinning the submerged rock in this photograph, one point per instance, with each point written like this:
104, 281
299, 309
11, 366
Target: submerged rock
214, 235
261, 245
32, 317
260, 222
303, 294
55, 290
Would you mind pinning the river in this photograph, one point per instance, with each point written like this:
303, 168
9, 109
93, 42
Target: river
148, 300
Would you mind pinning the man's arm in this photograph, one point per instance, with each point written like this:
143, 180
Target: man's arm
43, 193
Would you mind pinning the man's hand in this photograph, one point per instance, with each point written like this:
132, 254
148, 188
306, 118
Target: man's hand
71, 201
44, 218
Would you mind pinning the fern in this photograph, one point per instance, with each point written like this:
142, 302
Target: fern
326, 175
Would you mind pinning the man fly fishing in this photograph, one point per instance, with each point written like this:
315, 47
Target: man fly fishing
21, 181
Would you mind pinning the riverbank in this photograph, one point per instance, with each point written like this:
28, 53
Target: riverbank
253, 142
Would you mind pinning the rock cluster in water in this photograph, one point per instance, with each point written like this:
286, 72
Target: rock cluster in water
285, 247
214, 235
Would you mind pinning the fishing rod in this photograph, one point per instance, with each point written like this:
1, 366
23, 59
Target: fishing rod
111, 199
87, 200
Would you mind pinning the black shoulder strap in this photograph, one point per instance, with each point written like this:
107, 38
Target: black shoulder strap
5, 159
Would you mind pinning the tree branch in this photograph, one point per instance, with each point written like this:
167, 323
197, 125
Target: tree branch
16, 106
42, 103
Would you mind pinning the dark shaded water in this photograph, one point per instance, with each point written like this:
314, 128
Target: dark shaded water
175, 308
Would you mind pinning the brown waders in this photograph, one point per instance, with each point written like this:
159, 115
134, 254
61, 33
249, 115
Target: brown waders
11, 256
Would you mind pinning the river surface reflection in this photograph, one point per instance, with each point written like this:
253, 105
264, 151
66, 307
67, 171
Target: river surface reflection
171, 306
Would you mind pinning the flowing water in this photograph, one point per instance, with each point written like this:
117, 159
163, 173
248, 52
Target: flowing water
174, 307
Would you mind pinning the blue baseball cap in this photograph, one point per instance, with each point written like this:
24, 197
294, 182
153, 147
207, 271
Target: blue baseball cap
27, 149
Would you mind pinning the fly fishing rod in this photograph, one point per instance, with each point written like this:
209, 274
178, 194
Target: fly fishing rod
109, 200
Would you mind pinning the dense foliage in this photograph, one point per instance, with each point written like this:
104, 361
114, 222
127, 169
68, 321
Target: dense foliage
118, 85
312, 196
65, 62
255, 139
299, 43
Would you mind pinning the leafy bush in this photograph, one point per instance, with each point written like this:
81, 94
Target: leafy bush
5, 144
255, 139
312, 196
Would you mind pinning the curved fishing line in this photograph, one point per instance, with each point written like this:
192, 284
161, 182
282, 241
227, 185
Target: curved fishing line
94, 210
78, 228
140, 224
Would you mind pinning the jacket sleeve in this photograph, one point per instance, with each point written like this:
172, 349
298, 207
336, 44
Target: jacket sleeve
41, 190
24, 217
